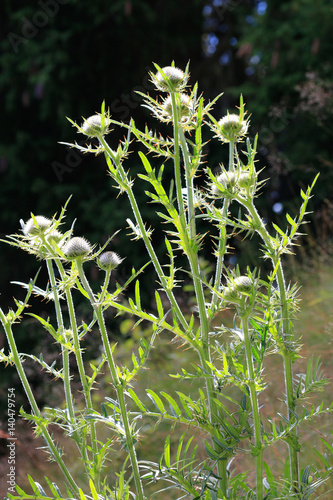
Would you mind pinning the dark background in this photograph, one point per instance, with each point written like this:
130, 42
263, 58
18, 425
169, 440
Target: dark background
63, 58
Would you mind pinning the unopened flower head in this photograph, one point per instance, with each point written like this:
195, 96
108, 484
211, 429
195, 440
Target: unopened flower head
231, 128
183, 106
109, 261
93, 126
246, 180
54, 236
175, 79
227, 180
37, 226
77, 247
234, 289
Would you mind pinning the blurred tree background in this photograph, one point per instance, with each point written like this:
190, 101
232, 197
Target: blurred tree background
63, 57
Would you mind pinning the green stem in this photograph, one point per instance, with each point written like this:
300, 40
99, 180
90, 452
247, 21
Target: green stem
288, 376
97, 307
285, 334
177, 160
222, 246
79, 360
189, 236
204, 353
33, 404
65, 353
189, 176
255, 408
145, 237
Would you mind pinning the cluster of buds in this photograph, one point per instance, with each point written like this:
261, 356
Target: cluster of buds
40, 234
229, 183
177, 105
79, 248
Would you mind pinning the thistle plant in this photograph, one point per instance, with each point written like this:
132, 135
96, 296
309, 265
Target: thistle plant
230, 360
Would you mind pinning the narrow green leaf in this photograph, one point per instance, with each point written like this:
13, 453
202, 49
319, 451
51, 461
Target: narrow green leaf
291, 221
33, 485
185, 405
145, 162
167, 452
82, 495
156, 400
270, 479
159, 305
93, 490
179, 449
210, 451
280, 231
173, 405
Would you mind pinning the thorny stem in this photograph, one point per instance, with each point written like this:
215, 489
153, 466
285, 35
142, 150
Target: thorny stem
79, 360
222, 245
65, 356
42, 427
177, 160
77, 350
285, 334
145, 236
97, 307
255, 408
189, 176
189, 236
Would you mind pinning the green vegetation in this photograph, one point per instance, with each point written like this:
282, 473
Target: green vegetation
231, 372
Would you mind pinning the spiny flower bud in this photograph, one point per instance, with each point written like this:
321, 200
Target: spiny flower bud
231, 128
77, 247
108, 261
92, 126
243, 284
54, 236
228, 180
175, 79
246, 180
239, 285
183, 106
37, 226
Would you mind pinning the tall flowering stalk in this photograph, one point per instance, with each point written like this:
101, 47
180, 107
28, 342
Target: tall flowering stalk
232, 422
